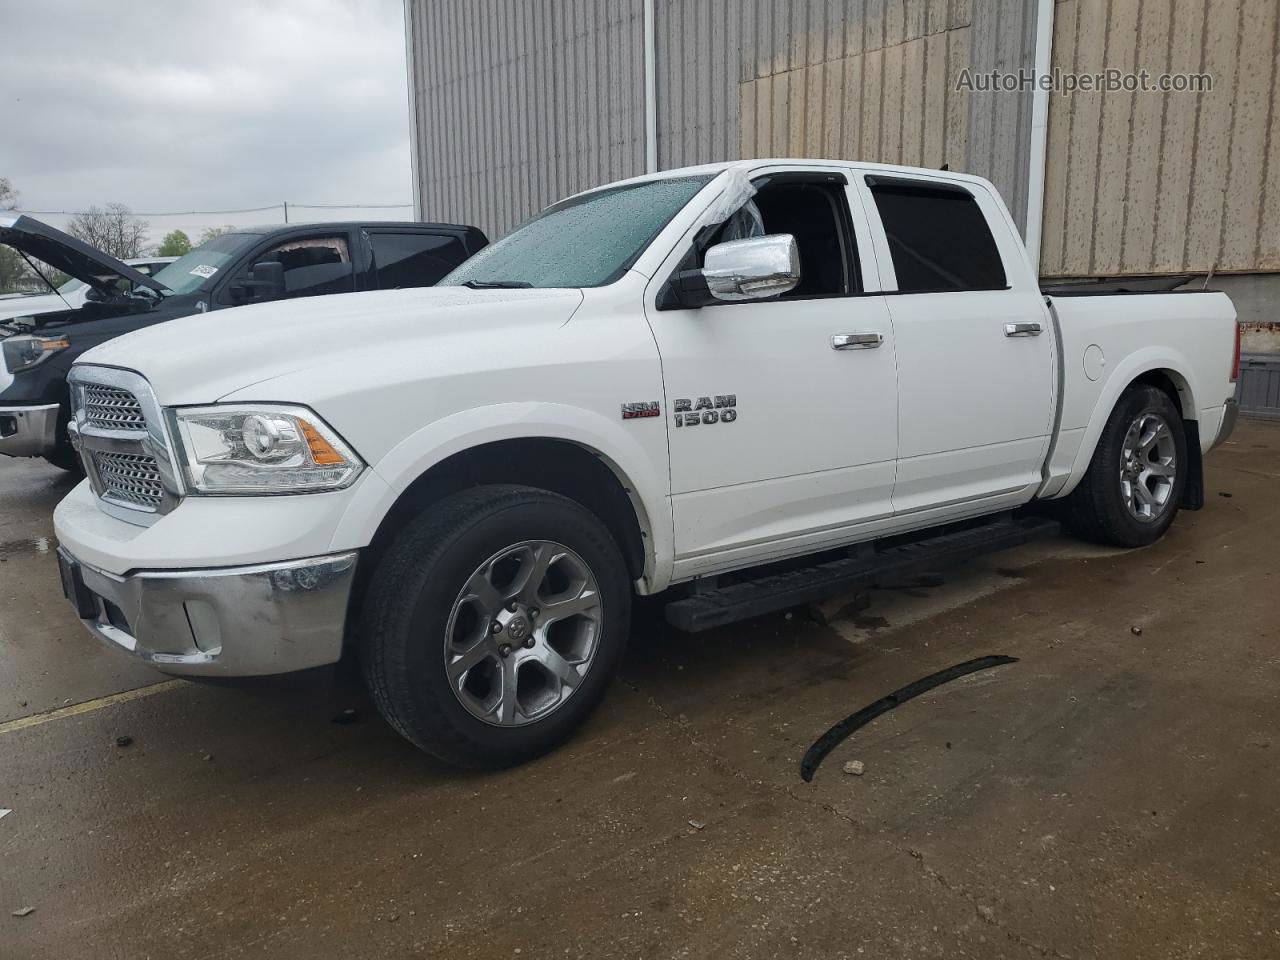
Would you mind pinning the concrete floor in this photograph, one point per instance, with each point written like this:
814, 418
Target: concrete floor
1111, 795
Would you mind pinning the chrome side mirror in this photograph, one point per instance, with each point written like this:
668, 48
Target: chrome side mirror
752, 269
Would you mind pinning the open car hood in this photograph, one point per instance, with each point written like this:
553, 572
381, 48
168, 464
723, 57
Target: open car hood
64, 252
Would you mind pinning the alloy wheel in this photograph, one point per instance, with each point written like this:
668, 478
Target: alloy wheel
522, 633
1148, 467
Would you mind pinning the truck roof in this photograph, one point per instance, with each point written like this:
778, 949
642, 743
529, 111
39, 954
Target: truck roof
752, 164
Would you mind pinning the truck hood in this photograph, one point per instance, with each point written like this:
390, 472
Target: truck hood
64, 252
205, 357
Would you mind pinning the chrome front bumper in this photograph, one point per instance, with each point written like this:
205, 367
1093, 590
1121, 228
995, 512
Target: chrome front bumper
28, 431
228, 622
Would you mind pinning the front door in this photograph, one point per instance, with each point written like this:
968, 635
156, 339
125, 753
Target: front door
780, 413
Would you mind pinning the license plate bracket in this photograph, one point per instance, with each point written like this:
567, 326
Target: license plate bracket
82, 598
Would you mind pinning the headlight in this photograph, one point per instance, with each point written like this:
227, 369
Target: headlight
23, 353
261, 448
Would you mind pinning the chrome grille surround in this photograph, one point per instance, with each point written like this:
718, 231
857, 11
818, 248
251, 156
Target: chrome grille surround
123, 438
112, 408
131, 477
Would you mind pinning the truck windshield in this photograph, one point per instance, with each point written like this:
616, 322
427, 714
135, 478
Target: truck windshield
190, 272
585, 241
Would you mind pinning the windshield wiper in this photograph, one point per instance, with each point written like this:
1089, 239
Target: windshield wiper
497, 284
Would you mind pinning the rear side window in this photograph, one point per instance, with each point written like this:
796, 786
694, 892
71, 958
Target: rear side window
414, 259
938, 238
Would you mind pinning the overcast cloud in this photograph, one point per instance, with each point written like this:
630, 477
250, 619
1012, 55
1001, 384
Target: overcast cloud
165, 105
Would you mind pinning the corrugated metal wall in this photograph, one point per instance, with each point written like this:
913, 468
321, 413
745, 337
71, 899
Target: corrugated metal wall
1165, 183
520, 103
877, 80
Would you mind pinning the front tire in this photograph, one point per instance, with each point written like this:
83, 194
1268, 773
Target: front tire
63, 455
494, 623
64, 458
1131, 492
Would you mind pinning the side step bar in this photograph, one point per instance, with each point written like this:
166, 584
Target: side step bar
780, 591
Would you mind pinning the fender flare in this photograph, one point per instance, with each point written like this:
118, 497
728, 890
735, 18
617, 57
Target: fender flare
1146, 360
458, 432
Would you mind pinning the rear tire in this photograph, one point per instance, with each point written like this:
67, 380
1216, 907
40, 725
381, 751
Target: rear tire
1131, 491
465, 655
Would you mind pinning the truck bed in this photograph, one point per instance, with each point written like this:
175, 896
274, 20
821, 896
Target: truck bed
1107, 340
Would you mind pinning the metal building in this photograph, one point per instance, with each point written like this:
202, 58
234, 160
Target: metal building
516, 103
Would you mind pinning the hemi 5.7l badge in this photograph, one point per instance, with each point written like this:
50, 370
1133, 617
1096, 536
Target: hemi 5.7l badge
722, 408
637, 411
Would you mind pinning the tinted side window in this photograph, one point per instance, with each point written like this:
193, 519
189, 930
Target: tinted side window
314, 266
414, 259
938, 238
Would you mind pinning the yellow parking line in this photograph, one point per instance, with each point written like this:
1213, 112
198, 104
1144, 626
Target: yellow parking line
76, 709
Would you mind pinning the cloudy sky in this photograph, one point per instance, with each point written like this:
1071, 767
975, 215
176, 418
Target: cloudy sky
174, 106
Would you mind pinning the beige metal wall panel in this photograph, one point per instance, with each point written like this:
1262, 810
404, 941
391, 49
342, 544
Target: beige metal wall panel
1148, 121
1214, 129
876, 80
1082, 175
956, 139
1115, 142
1177, 144
1268, 242
1152, 182
1053, 230
933, 127
1242, 220
891, 106
914, 87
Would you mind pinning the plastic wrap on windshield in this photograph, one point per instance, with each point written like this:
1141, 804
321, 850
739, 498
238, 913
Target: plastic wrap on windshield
737, 191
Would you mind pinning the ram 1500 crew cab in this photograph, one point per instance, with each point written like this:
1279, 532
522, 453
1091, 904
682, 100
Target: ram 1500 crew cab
678, 377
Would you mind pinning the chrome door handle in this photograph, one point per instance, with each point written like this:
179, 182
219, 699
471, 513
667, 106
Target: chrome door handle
856, 341
1022, 329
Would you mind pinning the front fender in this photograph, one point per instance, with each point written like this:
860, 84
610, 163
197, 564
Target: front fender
437, 441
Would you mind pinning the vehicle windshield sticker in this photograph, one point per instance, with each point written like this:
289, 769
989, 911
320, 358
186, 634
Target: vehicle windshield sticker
204, 270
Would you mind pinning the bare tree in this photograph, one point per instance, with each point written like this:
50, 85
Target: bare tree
211, 233
12, 268
19, 274
113, 229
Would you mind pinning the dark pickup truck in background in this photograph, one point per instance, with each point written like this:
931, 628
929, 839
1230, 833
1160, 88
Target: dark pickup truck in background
251, 265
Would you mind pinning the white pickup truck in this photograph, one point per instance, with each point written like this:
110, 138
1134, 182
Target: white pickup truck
682, 382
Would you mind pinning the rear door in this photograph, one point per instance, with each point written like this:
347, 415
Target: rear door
976, 365
780, 412
413, 259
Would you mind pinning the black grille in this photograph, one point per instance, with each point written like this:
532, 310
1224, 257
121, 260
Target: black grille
129, 477
112, 408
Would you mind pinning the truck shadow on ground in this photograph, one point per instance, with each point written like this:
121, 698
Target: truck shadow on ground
327, 719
